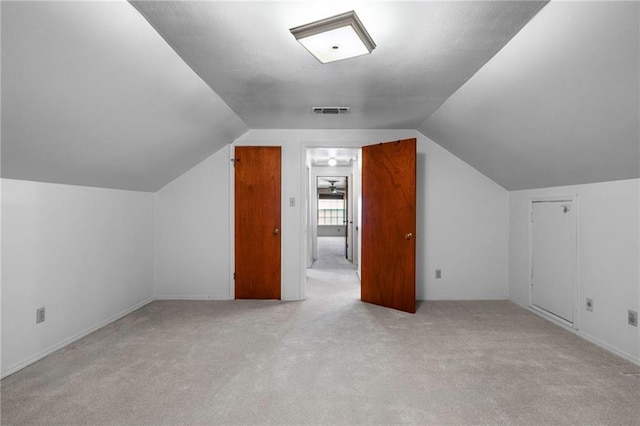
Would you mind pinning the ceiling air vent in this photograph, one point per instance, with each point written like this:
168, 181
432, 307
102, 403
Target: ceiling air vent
330, 110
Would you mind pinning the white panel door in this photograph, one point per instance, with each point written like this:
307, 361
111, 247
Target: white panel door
554, 251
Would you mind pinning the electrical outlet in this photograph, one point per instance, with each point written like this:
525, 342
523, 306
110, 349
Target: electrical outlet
633, 318
438, 273
39, 315
589, 304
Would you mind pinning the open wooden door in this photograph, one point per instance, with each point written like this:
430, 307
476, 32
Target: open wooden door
257, 222
388, 225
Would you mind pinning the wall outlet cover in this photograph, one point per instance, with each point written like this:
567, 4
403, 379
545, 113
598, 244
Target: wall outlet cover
438, 273
589, 304
633, 318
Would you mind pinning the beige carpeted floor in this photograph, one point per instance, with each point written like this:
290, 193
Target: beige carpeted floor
328, 360
332, 254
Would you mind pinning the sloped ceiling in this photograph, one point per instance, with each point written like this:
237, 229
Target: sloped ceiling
426, 51
559, 105
92, 95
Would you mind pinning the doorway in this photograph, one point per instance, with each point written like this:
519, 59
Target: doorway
332, 222
388, 216
553, 259
333, 195
333, 218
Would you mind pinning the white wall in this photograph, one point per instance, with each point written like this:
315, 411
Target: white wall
462, 215
331, 231
86, 254
608, 255
193, 232
462, 226
462, 221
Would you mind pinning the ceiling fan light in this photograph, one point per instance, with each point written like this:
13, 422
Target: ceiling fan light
335, 38
332, 162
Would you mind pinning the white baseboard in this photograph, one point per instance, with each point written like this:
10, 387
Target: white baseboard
38, 356
585, 336
191, 297
608, 347
463, 298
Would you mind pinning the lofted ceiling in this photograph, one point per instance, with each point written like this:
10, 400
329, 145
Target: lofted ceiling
92, 95
131, 95
426, 51
559, 105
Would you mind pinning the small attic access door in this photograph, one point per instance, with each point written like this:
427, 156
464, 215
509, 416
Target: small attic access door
553, 258
389, 225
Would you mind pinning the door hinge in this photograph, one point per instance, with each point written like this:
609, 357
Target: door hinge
234, 275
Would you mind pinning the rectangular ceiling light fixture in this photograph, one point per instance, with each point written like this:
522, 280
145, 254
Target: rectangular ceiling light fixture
333, 39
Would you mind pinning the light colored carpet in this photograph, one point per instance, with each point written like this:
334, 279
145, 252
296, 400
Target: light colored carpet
331, 254
328, 360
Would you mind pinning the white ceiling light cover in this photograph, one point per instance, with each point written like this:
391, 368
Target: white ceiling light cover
338, 37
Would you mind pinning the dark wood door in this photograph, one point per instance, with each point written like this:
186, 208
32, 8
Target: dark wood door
388, 224
257, 222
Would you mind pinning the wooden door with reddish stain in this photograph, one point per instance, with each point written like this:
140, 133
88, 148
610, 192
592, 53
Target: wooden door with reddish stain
257, 222
388, 224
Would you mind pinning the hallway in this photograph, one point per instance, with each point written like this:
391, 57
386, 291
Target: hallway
332, 274
331, 254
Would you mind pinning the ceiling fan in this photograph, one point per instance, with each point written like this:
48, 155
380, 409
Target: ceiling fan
333, 188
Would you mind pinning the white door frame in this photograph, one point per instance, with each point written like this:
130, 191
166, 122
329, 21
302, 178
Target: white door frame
232, 222
322, 171
305, 145
308, 224
573, 199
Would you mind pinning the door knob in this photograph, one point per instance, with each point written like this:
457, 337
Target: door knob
276, 231
408, 236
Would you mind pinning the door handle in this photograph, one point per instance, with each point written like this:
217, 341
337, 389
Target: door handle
276, 231
408, 236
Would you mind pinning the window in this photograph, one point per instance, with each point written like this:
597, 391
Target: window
331, 212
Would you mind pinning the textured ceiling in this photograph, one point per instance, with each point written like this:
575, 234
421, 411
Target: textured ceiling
426, 51
559, 105
92, 95
343, 156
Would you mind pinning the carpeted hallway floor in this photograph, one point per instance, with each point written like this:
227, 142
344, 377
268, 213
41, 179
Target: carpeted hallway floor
332, 255
328, 360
